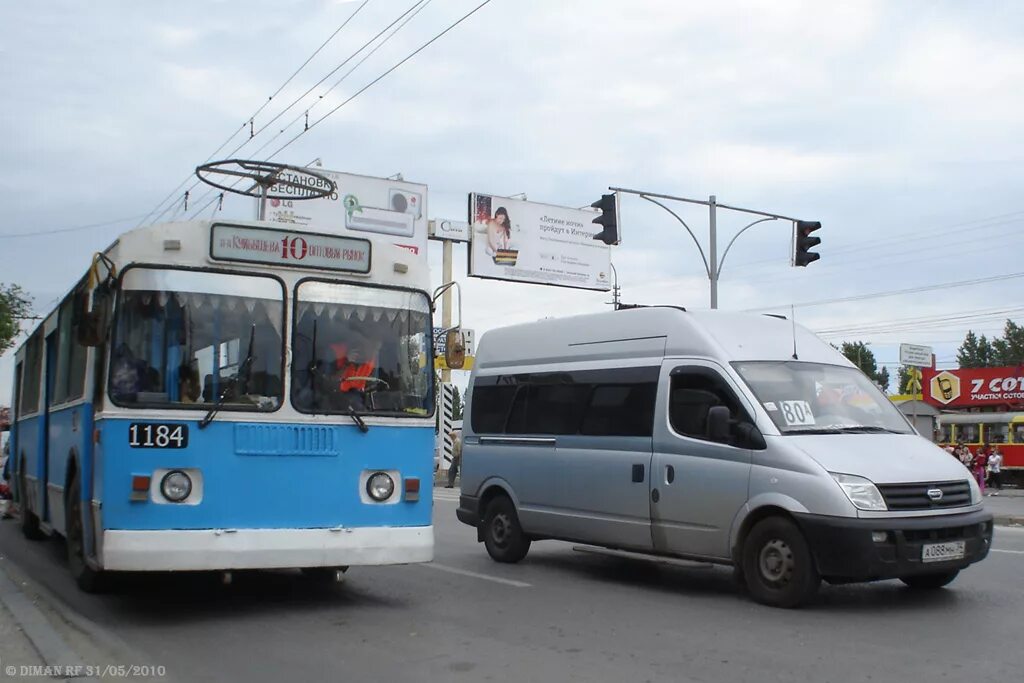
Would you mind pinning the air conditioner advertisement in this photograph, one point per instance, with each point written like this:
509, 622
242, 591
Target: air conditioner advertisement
362, 206
512, 239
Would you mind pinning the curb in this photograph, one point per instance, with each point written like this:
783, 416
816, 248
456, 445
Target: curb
53, 649
1008, 520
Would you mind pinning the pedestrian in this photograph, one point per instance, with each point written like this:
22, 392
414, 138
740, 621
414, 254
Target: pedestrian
453, 469
980, 466
995, 470
965, 456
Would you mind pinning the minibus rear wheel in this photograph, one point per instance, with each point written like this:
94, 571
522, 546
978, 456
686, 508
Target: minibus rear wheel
778, 565
503, 537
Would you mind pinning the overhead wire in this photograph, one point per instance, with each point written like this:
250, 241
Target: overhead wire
173, 193
376, 80
58, 231
303, 96
893, 292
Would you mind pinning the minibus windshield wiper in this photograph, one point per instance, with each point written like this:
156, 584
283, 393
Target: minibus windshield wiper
855, 429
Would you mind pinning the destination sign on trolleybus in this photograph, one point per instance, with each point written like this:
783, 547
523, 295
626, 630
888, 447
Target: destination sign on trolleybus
286, 248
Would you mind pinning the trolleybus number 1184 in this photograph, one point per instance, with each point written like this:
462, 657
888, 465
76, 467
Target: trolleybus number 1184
155, 435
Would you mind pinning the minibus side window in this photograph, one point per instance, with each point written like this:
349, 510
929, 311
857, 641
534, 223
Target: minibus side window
490, 407
621, 410
692, 395
548, 409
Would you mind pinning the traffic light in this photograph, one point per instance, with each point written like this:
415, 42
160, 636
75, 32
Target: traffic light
804, 241
608, 204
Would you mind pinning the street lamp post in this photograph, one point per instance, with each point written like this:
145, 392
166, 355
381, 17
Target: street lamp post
712, 263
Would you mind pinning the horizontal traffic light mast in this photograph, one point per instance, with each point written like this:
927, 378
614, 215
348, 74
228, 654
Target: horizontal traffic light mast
802, 239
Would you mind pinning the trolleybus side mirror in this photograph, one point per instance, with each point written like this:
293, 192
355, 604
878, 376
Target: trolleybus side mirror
92, 322
455, 349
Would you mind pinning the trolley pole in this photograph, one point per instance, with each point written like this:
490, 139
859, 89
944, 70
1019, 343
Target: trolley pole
712, 263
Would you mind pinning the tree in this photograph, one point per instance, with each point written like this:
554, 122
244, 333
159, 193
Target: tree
860, 355
456, 404
14, 307
1008, 350
975, 352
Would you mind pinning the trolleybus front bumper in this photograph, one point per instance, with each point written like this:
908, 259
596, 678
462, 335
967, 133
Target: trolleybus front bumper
215, 549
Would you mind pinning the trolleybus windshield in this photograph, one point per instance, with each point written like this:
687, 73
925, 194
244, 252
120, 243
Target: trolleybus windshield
361, 349
191, 339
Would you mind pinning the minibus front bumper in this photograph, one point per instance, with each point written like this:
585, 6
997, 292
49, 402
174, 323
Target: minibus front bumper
468, 511
853, 549
216, 549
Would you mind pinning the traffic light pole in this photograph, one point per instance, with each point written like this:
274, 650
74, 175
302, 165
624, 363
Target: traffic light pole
712, 263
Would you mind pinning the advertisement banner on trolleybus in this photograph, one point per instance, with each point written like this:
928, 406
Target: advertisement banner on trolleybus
361, 206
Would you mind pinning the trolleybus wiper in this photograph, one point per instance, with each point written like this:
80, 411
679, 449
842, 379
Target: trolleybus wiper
360, 422
233, 382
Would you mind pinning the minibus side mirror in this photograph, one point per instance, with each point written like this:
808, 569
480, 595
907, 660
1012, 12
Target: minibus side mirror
749, 436
718, 424
455, 349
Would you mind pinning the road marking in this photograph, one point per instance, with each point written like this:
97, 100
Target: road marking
1015, 552
475, 575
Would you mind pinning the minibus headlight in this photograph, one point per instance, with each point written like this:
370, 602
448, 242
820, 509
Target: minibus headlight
975, 491
380, 486
862, 493
176, 486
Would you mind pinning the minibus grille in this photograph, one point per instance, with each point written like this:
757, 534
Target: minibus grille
915, 496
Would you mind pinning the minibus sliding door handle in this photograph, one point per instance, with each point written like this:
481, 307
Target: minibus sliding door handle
519, 440
638, 474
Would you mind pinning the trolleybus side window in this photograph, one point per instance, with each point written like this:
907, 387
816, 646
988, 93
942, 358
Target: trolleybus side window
361, 348
30, 378
188, 339
71, 357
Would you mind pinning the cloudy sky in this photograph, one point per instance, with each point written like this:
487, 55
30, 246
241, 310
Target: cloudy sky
896, 124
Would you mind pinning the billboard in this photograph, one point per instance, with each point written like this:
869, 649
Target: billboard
362, 206
523, 241
967, 387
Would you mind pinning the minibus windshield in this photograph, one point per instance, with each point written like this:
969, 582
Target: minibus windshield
814, 398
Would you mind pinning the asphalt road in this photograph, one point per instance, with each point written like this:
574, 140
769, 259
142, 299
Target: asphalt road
560, 615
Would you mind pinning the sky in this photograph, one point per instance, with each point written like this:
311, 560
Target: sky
896, 124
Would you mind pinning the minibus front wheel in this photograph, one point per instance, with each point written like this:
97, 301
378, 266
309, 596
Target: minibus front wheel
778, 566
503, 536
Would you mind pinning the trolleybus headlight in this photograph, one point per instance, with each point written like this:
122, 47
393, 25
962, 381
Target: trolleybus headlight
176, 486
380, 486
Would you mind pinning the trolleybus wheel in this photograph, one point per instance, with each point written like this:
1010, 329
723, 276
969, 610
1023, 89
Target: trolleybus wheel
87, 578
503, 537
777, 564
930, 581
